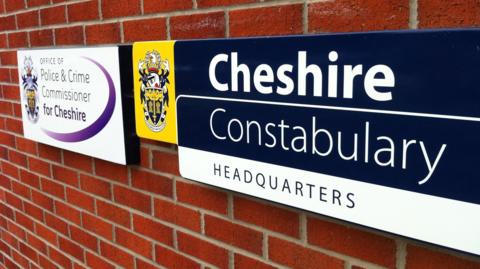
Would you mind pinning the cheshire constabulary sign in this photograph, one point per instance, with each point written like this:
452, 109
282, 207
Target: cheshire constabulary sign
379, 129
76, 99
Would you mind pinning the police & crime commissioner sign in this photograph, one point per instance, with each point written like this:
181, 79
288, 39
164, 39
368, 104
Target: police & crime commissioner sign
379, 129
72, 99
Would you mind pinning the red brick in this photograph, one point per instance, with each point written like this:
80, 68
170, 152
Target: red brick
153, 6
267, 216
144, 265
172, 259
46, 234
234, 234
152, 229
147, 29
358, 15
280, 20
60, 258
95, 186
20, 189
45, 263
2, 127
6, 108
8, 236
453, 13
33, 211
208, 25
297, 256
71, 248
7, 139
69, 36
11, 92
144, 153
350, 241
49, 152
13, 5
165, 162
5, 75
35, 3
3, 153
97, 262
30, 179
97, 226
67, 212
203, 250
3, 40
24, 221
39, 166
27, 19
177, 214
12, 200
7, 23
419, 257
83, 238
26, 145
84, 11
78, 266
17, 158
14, 125
4, 248
152, 183
53, 188
102, 33
111, 171
79, 161
65, 175
244, 262
56, 223
17, 40
17, 110
16, 230
113, 213
215, 3
41, 38
9, 169
36, 243
10, 264
116, 255
134, 243
8, 57
14, 75
120, 8
202, 197
19, 259
53, 15
133, 199
42, 200
80, 199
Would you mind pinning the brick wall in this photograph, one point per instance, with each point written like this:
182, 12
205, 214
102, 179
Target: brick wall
59, 209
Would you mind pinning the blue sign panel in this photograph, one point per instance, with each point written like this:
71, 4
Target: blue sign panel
380, 129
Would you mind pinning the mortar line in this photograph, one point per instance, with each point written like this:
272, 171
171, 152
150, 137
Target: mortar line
413, 17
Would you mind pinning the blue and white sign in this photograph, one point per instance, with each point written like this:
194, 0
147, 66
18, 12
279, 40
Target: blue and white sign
379, 129
74, 99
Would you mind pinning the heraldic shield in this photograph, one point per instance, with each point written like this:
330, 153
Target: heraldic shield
154, 92
30, 92
31, 100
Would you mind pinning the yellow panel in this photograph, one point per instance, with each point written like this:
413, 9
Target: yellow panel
154, 87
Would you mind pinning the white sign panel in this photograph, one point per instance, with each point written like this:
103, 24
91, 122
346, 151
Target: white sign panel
72, 99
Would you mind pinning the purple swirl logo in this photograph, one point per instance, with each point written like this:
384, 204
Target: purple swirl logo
99, 123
